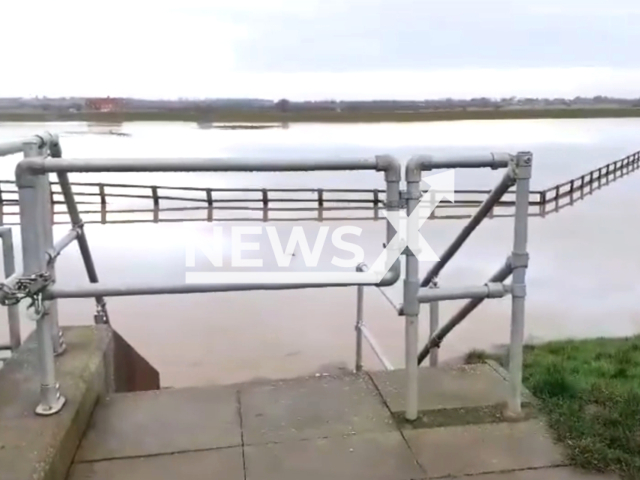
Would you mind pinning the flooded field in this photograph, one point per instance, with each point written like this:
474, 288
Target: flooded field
581, 280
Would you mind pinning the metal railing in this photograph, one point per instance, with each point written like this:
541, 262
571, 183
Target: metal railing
8, 260
43, 156
596, 176
428, 290
104, 201
37, 282
110, 202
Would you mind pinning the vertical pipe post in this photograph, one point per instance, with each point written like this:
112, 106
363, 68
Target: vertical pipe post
522, 165
13, 312
154, 196
359, 323
51, 307
434, 324
103, 196
434, 307
411, 307
32, 198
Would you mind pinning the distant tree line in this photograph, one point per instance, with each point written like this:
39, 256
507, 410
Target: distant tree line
289, 106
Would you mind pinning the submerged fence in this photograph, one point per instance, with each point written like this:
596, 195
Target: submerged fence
130, 203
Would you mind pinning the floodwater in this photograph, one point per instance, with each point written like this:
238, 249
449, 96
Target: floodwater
581, 282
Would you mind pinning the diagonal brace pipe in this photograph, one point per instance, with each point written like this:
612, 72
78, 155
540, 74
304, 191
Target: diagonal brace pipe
434, 342
507, 181
83, 244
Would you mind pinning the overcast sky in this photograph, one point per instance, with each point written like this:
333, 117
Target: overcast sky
320, 48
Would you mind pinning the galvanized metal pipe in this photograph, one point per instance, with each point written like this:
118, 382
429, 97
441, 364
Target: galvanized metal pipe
434, 342
434, 310
124, 290
71, 236
46, 221
376, 348
43, 140
520, 260
72, 208
96, 165
363, 267
434, 323
359, 324
488, 290
383, 163
494, 197
13, 312
420, 163
31, 196
411, 306
392, 176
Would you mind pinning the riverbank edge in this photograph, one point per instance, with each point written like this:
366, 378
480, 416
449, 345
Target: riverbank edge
271, 117
589, 394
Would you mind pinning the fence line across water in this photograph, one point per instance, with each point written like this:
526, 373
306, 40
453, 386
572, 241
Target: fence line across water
102, 202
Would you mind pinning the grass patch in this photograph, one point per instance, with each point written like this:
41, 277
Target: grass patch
481, 356
589, 392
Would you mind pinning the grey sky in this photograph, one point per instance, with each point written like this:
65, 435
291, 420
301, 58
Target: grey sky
353, 35
320, 48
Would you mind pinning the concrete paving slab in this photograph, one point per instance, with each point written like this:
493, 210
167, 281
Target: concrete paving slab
222, 464
475, 449
165, 421
312, 407
444, 388
375, 456
559, 473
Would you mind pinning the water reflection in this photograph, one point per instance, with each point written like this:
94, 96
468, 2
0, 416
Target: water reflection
99, 128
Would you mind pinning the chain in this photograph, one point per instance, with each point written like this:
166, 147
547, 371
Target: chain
30, 286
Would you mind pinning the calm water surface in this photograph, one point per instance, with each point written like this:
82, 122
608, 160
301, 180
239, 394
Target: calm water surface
581, 281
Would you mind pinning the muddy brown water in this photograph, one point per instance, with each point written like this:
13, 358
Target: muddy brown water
582, 279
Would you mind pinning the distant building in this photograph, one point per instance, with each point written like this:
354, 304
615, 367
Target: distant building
103, 104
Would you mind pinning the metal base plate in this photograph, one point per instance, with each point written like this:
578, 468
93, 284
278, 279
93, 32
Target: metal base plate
45, 411
510, 416
63, 348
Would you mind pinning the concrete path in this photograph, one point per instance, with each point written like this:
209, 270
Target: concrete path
323, 427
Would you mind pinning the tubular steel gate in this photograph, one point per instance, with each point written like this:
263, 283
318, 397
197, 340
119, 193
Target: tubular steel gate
43, 155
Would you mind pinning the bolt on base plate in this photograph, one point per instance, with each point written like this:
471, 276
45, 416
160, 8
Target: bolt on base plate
47, 410
63, 348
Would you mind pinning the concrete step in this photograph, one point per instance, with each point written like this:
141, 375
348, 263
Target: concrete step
453, 395
321, 427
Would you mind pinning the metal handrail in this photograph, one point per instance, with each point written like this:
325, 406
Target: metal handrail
35, 202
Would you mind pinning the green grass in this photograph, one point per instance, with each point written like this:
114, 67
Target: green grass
589, 392
272, 116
